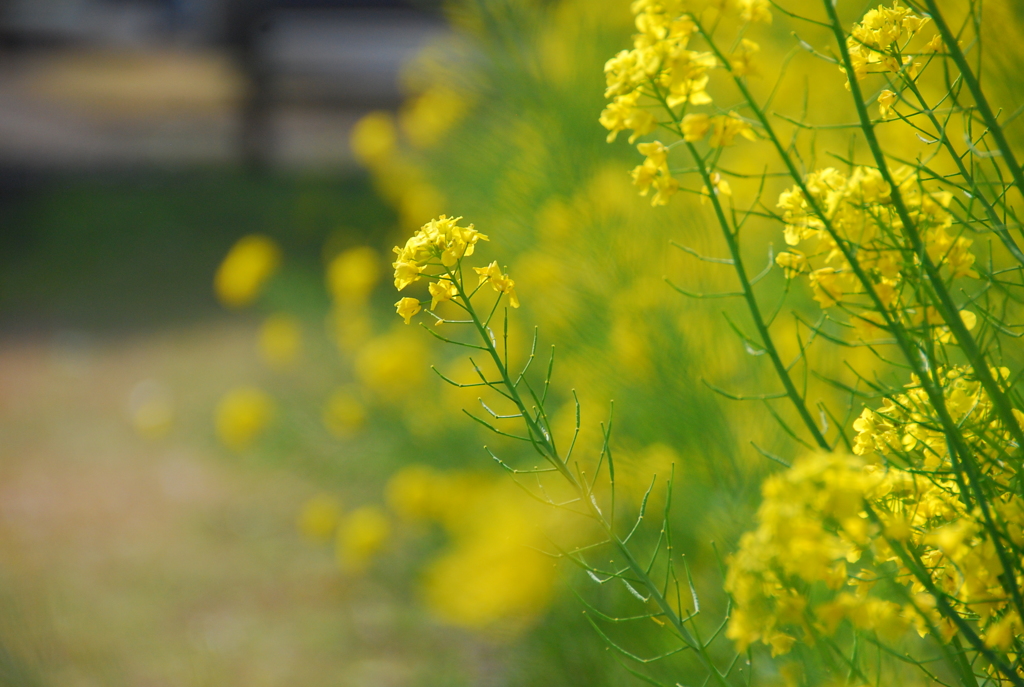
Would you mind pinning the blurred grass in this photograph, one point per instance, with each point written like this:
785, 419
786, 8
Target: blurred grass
127, 250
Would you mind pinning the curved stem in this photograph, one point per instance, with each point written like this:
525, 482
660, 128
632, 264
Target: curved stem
544, 445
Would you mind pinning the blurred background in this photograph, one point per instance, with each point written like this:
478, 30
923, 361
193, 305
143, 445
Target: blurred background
223, 459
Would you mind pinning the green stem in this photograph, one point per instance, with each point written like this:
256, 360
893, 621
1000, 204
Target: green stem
980, 101
544, 446
953, 320
997, 225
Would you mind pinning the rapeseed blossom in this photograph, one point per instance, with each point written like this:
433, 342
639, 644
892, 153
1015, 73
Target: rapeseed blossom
878, 40
344, 415
490, 571
318, 520
661, 71
245, 270
832, 519
374, 138
352, 275
361, 534
280, 340
439, 242
241, 416
860, 213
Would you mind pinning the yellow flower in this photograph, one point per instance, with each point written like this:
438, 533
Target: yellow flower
392, 366
319, 518
352, 274
413, 492
695, 127
873, 42
755, 10
725, 128
624, 113
720, 185
885, 102
343, 414
407, 307
241, 416
361, 535
374, 139
792, 263
665, 187
742, 61
439, 242
441, 290
686, 74
280, 340
656, 162
427, 117
245, 269
501, 283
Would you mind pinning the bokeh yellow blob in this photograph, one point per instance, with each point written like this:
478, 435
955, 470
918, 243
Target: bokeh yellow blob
245, 270
361, 535
344, 414
492, 571
280, 340
319, 518
428, 116
242, 415
374, 138
393, 366
353, 274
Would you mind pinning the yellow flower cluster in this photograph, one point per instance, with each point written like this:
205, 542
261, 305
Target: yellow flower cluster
908, 426
828, 527
491, 570
859, 209
802, 538
662, 71
242, 415
245, 270
441, 243
357, 536
876, 43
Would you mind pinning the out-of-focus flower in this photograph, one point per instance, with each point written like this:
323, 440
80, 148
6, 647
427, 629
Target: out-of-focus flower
407, 308
242, 414
318, 520
412, 492
280, 340
374, 138
742, 61
500, 282
885, 103
392, 366
427, 117
725, 129
353, 274
343, 414
492, 572
245, 270
696, 127
362, 534
755, 10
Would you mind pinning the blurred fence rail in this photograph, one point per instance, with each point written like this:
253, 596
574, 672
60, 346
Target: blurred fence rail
86, 84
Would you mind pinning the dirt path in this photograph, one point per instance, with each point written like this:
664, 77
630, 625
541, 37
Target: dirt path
129, 561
